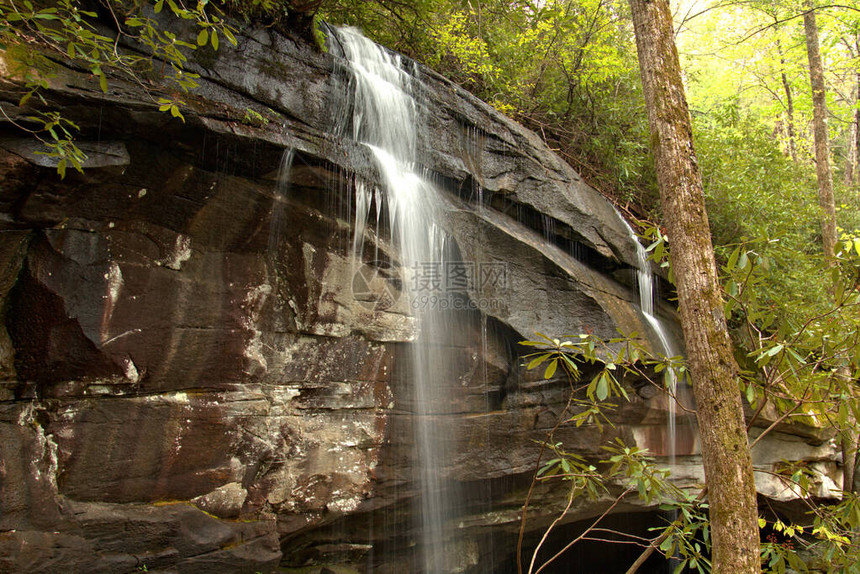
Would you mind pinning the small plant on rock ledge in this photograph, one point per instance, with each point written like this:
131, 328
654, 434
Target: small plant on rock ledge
254, 118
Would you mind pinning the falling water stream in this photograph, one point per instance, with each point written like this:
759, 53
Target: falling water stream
645, 280
379, 110
385, 118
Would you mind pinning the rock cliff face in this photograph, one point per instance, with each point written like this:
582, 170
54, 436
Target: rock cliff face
188, 381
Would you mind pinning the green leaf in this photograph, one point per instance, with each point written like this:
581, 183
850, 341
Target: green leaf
550, 370
794, 354
602, 391
158, 6
203, 37
548, 465
857, 245
537, 361
214, 39
774, 350
733, 259
571, 365
854, 519
542, 336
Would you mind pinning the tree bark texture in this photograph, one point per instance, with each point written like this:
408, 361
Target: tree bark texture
821, 136
849, 445
789, 104
856, 127
851, 153
851, 161
725, 447
826, 201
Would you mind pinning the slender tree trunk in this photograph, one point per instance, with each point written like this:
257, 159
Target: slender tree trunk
821, 137
848, 439
725, 447
852, 161
856, 166
855, 485
851, 154
826, 201
789, 104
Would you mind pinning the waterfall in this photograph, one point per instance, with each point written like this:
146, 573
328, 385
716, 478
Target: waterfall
645, 280
279, 200
385, 118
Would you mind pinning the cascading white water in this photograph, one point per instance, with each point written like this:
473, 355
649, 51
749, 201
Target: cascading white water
645, 279
282, 192
385, 119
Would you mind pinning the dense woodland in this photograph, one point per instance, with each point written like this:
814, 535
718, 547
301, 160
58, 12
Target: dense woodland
569, 71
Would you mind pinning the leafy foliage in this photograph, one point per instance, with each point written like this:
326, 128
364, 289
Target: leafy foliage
628, 468
34, 37
566, 69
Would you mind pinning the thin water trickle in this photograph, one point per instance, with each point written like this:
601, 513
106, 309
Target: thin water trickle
384, 118
363, 197
548, 226
282, 191
645, 280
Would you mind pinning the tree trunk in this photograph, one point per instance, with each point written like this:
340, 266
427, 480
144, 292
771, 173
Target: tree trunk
851, 162
848, 438
819, 128
725, 447
851, 154
856, 166
789, 104
826, 201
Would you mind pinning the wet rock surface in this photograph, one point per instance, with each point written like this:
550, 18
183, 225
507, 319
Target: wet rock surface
189, 381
